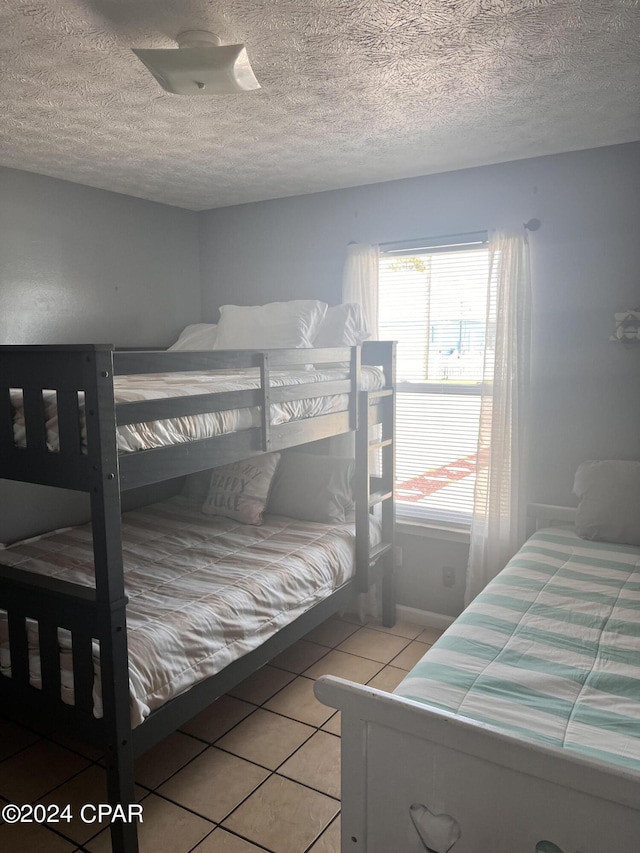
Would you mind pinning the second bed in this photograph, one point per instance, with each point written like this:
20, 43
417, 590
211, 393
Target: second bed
519, 730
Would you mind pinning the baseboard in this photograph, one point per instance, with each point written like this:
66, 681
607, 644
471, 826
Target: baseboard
423, 617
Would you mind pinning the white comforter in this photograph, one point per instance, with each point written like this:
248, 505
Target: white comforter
144, 436
202, 591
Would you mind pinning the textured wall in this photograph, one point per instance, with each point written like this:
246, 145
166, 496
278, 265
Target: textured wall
83, 265
585, 258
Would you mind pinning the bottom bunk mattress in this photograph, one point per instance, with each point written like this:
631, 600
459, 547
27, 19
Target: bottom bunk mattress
202, 591
550, 650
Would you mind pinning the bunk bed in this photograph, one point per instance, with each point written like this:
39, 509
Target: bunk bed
62, 424
519, 729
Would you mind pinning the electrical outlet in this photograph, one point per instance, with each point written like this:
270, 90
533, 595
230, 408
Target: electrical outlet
448, 576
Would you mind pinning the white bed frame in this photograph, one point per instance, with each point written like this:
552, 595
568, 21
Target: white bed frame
415, 778
547, 515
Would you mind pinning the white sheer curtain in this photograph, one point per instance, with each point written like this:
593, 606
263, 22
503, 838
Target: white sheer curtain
498, 525
360, 282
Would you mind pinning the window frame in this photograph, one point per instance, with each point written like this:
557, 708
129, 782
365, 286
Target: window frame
454, 243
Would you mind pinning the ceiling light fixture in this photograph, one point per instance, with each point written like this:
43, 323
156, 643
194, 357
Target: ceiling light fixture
201, 65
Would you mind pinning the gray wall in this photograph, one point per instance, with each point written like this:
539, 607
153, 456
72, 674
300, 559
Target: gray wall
585, 258
80, 265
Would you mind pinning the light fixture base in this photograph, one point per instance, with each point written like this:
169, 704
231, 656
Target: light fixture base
198, 38
201, 65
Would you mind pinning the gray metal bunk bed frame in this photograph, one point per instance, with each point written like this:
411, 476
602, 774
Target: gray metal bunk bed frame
95, 467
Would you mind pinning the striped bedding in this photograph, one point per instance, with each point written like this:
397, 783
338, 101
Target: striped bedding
202, 591
550, 650
145, 436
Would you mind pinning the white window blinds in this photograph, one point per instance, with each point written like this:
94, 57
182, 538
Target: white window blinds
434, 303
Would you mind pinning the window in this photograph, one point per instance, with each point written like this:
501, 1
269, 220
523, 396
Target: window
433, 301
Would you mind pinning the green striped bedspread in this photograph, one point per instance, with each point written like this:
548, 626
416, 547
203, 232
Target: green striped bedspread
549, 650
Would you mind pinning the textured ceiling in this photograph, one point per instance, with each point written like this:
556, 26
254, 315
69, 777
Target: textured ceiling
353, 91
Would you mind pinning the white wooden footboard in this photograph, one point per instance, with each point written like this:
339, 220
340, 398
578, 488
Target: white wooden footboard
416, 779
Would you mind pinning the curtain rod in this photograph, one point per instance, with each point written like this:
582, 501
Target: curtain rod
465, 238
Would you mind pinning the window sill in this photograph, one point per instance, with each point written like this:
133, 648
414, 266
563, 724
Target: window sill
431, 530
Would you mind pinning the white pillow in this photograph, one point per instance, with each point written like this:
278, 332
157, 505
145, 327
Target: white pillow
343, 326
313, 487
277, 325
200, 336
609, 508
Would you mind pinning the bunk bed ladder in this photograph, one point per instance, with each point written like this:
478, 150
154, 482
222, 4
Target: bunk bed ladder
376, 492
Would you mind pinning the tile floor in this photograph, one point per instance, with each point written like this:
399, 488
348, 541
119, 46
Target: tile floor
257, 771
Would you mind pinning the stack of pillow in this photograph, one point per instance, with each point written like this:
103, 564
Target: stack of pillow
304, 486
296, 324
297, 485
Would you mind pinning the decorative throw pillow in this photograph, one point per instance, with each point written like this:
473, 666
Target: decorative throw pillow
200, 336
609, 507
240, 490
343, 326
277, 325
313, 488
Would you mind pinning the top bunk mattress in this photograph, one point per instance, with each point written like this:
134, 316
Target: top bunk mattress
202, 591
550, 650
155, 386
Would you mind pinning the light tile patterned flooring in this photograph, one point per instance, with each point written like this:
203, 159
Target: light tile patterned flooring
257, 771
